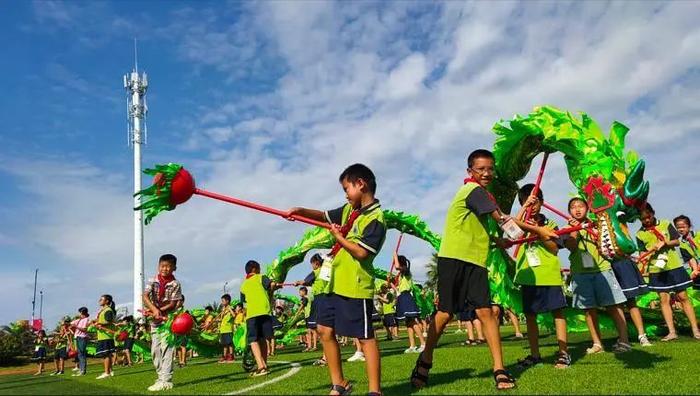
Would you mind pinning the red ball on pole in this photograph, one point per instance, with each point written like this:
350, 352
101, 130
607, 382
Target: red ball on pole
182, 187
182, 324
122, 336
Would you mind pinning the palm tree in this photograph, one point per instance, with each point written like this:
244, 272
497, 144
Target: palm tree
432, 274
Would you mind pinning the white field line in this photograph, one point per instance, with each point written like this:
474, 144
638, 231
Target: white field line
295, 367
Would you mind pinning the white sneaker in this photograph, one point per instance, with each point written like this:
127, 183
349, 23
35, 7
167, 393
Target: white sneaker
78, 374
111, 373
76, 369
102, 376
357, 357
420, 349
411, 350
644, 341
425, 334
160, 386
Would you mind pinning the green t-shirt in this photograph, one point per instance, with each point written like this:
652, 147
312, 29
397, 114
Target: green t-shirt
647, 239
226, 325
466, 237
390, 307
690, 251
256, 296
586, 259
405, 284
547, 273
318, 286
351, 277
105, 317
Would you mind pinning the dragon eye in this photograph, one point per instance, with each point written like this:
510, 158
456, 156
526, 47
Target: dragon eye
620, 214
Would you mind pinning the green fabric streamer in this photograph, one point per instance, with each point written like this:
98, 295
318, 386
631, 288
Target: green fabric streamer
156, 199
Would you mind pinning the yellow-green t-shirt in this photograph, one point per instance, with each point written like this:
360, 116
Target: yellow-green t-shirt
647, 239
586, 259
547, 273
255, 295
390, 307
226, 325
105, 317
351, 277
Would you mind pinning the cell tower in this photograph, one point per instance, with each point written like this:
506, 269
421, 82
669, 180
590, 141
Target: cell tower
136, 108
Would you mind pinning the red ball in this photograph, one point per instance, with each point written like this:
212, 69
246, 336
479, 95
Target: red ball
182, 324
123, 335
182, 187
72, 353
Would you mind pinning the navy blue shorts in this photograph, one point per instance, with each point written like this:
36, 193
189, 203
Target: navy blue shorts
389, 320
540, 299
104, 348
259, 328
349, 317
313, 313
276, 324
406, 307
467, 316
128, 344
60, 353
629, 278
39, 354
226, 339
674, 280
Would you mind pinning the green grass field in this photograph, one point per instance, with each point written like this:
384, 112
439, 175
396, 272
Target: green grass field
662, 369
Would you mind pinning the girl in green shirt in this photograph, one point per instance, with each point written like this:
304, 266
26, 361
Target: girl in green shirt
658, 240
690, 247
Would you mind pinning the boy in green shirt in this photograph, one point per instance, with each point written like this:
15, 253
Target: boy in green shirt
347, 308
226, 329
255, 294
462, 275
538, 273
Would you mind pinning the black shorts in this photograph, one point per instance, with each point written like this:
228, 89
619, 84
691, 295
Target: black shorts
467, 316
226, 339
104, 348
349, 317
259, 328
389, 320
313, 314
540, 299
128, 344
39, 354
60, 353
461, 285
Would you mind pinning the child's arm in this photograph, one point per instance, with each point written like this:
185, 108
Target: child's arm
353, 248
313, 214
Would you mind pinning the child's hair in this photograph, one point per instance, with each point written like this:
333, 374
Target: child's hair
405, 263
110, 301
208, 308
476, 154
383, 288
355, 172
226, 297
526, 190
83, 311
66, 320
316, 258
576, 199
304, 289
648, 208
41, 333
683, 218
540, 219
169, 258
252, 265
129, 319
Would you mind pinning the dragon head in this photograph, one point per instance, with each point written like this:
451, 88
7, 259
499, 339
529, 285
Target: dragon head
614, 208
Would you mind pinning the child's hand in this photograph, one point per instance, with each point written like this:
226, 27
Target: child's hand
503, 243
335, 231
546, 233
291, 212
531, 200
659, 245
574, 222
298, 283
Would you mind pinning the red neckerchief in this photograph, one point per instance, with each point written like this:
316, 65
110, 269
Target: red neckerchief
162, 282
250, 275
488, 193
344, 230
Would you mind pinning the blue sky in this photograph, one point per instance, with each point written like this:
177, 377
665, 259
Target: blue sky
269, 101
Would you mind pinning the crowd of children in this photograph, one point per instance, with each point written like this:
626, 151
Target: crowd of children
339, 298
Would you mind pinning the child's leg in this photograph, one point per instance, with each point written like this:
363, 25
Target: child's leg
560, 326
592, 323
435, 330
373, 363
516, 323
331, 351
61, 364
470, 331
533, 334
409, 329
257, 348
479, 328
395, 331
636, 315
618, 316
493, 337
128, 357
418, 330
682, 296
667, 312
